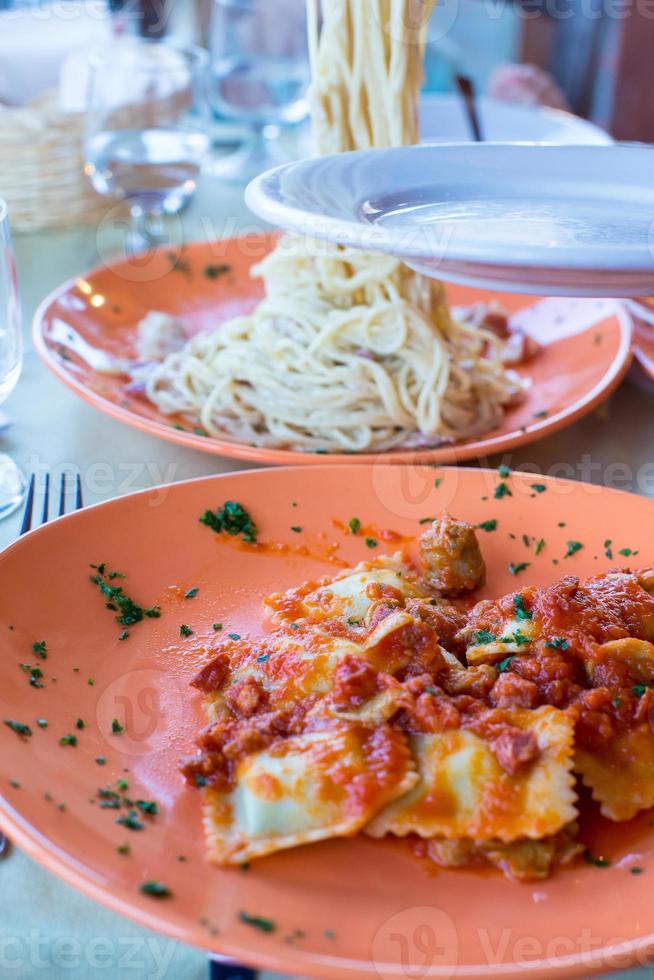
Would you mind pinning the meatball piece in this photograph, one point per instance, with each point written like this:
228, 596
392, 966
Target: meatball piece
450, 552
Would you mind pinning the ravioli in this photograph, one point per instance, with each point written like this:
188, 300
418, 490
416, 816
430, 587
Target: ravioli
464, 792
307, 788
620, 775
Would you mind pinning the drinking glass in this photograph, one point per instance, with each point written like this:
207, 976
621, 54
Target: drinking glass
12, 482
146, 127
259, 75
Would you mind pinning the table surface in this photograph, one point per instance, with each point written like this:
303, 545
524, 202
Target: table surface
45, 925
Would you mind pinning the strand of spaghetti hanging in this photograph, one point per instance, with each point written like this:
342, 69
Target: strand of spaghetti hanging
349, 350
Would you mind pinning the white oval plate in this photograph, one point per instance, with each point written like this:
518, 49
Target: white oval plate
443, 120
525, 217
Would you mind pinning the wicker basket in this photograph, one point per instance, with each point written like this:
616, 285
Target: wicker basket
41, 167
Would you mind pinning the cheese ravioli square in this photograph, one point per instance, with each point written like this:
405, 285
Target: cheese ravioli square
463, 791
305, 788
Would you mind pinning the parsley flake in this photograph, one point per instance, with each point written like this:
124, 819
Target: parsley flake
231, 518
371, 543
501, 490
191, 594
504, 470
639, 690
68, 740
217, 626
502, 666
354, 525
599, 862
483, 636
185, 630
573, 548
234, 636
18, 727
39, 648
129, 612
296, 528
130, 821
116, 727
515, 569
557, 643
538, 487
520, 611
155, 889
625, 551
257, 922
490, 525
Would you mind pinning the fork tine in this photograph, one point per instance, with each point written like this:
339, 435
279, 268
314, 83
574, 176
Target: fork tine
62, 495
79, 503
29, 505
46, 500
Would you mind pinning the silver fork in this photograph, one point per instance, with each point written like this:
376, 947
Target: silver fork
26, 525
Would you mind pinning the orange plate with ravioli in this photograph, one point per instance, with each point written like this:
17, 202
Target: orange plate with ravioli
586, 346
343, 908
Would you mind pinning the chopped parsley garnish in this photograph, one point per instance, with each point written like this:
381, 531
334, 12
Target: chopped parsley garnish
371, 543
35, 674
231, 518
599, 862
185, 630
234, 636
262, 658
426, 520
296, 528
79, 724
639, 690
191, 594
515, 569
116, 727
215, 271
257, 922
129, 612
354, 524
635, 870
517, 637
607, 548
147, 806
110, 804
123, 849
503, 470
501, 490
39, 648
615, 701
200, 780
625, 551
437, 482
352, 621
41, 722
100, 760
130, 820
155, 889
18, 727
557, 643
68, 740
490, 525
538, 487
539, 545
573, 548
122, 784
503, 664
483, 636
123, 635
519, 607
217, 626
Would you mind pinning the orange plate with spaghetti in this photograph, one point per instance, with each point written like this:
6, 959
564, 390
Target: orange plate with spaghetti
586, 346
339, 909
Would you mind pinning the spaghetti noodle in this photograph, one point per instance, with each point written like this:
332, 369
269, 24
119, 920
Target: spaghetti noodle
348, 351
